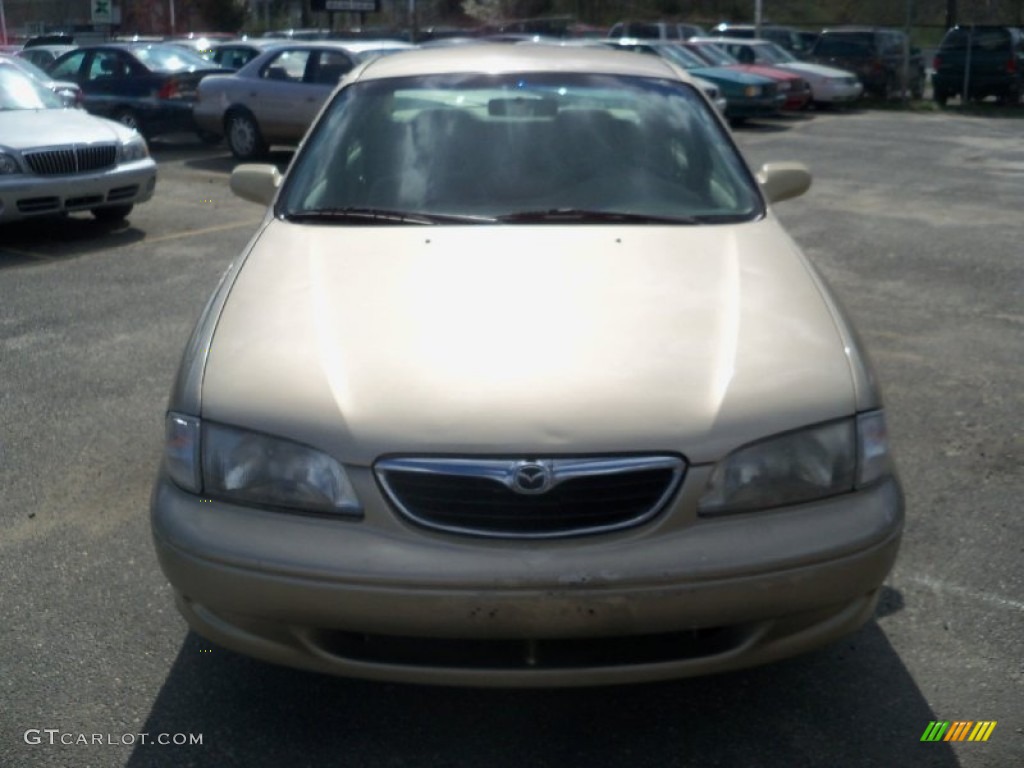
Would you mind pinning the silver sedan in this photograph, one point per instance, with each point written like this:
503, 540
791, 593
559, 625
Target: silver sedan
56, 160
274, 98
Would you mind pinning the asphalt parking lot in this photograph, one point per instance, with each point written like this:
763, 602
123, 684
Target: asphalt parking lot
913, 217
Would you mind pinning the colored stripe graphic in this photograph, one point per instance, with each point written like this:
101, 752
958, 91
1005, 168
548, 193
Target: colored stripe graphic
958, 730
935, 731
982, 730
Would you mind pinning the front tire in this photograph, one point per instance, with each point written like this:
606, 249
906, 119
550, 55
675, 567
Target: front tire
243, 135
129, 119
113, 213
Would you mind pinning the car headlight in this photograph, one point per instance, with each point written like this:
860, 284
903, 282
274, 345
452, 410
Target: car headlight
134, 149
752, 91
800, 466
8, 165
238, 465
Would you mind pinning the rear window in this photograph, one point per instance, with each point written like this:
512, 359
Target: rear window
830, 46
986, 39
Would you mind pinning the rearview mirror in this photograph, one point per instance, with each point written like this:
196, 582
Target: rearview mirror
782, 181
256, 183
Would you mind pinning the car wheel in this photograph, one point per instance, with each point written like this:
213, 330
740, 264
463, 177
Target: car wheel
244, 138
1010, 96
129, 119
113, 213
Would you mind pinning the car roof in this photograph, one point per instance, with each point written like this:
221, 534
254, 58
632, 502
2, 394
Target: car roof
737, 40
526, 57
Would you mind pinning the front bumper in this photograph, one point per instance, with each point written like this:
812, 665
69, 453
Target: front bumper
24, 196
674, 598
760, 106
837, 92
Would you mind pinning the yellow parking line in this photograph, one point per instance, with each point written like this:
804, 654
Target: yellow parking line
204, 230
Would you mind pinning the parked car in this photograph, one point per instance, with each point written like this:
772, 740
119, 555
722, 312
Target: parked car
786, 37
996, 58
745, 95
521, 382
147, 86
234, 55
55, 160
875, 55
794, 87
274, 98
828, 84
68, 91
655, 30
44, 55
201, 43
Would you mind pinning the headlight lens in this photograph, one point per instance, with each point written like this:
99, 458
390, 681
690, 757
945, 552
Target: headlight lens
873, 460
260, 469
8, 165
752, 91
134, 149
181, 451
793, 468
253, 468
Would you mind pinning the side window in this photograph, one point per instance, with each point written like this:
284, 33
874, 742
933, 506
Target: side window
107, 65
69, 68
287, 66
329, 67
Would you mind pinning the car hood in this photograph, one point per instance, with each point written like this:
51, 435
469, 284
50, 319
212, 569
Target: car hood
765, 71
730, 75
30, 128
808, 69
365, 341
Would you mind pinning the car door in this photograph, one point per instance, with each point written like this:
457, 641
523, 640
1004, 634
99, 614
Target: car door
111, 81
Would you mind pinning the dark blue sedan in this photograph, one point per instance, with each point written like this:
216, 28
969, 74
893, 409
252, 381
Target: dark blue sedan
146, 86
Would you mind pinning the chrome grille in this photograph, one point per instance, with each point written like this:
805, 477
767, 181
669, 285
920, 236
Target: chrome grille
568, 497
71, 160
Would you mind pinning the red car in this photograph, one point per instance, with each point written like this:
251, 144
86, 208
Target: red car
797, 90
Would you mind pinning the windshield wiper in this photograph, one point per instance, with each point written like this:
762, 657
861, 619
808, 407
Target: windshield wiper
582, 215
382, 216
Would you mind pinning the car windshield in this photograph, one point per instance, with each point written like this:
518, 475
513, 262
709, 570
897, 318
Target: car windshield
716, 55
171, 58
681, 57
31, 69
19, 91
773, 53
519, 148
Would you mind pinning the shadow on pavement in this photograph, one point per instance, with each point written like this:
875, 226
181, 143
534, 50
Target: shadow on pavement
49, 238
852, 704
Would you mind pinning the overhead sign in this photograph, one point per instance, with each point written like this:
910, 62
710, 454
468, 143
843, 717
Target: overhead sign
102, 11
362, 6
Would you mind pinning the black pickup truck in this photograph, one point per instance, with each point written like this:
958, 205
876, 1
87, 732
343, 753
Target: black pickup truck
875, 55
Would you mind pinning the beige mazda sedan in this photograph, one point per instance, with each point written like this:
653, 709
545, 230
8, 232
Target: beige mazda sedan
520, 382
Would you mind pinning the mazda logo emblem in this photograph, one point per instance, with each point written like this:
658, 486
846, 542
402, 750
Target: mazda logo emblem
530, 477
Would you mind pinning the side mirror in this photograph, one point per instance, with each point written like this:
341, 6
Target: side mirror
256, 183
782, 181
